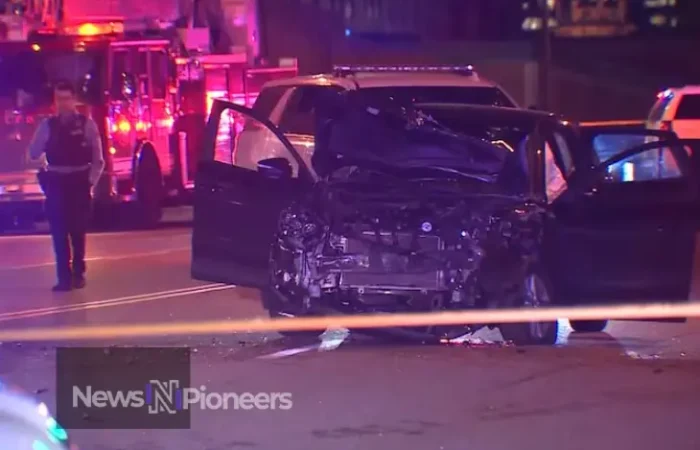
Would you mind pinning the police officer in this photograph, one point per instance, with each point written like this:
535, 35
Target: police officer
72, 147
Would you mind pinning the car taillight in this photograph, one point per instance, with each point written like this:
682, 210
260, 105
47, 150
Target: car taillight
666, 126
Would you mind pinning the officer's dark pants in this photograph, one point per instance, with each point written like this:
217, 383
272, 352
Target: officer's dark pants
68, 210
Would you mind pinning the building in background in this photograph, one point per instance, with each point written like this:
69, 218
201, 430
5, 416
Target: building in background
412, 20
581, 18
615, 18
498, 20
659, 14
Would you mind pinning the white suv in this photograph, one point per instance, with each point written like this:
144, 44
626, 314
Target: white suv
289, 103
677, 110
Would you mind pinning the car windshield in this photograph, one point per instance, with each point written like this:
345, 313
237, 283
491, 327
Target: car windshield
427, 136
498, 126
27, 77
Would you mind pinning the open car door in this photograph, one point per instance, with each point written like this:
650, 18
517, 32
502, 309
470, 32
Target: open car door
626, 230
237, 205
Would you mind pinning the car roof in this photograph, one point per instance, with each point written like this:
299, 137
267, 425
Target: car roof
360, 80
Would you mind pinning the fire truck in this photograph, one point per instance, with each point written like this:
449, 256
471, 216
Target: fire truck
149, 87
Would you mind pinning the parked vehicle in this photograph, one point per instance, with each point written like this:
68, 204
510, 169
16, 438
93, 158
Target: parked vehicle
678, 110
149, 89
288, 102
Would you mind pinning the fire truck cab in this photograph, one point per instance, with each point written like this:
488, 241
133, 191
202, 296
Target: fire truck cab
149, 94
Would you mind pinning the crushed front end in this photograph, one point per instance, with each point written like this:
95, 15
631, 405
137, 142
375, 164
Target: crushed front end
408, 216
379, 248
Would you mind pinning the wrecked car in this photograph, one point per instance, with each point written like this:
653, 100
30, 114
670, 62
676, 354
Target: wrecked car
438, 207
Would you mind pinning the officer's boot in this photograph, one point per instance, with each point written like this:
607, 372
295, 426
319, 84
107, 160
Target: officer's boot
78, 246
78, 265
65, 278
63, 256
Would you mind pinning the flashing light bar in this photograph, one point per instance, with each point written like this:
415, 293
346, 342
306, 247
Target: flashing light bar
91, 29
344, 70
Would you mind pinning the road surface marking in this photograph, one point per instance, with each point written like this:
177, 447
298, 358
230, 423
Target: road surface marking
52, 310
100, 258
365, 321
133, 233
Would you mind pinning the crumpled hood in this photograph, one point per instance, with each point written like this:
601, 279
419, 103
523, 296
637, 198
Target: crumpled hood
351, 130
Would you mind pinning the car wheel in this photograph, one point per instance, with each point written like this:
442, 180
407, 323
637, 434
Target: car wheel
148, 181
275, 309
588, 326
536, 292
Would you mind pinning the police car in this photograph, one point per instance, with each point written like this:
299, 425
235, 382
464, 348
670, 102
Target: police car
677, 110
289, 103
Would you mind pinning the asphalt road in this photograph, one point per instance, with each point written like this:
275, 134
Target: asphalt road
635, 386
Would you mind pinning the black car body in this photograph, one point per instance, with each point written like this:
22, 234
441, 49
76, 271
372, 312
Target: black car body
439, 207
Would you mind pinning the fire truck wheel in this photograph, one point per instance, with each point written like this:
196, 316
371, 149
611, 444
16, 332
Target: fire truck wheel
148, 181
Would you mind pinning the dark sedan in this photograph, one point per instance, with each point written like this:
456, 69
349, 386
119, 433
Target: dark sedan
439, 207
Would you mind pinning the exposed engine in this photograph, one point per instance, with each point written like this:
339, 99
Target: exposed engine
368, 243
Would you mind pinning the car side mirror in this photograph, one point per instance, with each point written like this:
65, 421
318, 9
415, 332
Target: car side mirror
275, 168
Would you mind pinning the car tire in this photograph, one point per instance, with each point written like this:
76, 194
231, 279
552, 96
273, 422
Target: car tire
536, 293
148, 183
588, 326
276, 310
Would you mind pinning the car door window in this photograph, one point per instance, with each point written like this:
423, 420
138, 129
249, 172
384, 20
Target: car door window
300, 115
606, 146
554, 174
225, 137
564, 150
244, 141
689, 107
554, 178
651, 164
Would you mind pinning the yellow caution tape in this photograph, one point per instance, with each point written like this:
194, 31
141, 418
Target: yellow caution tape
613, 123
493, 316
